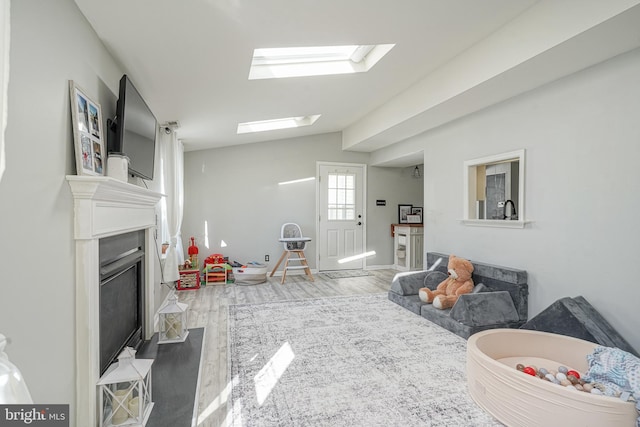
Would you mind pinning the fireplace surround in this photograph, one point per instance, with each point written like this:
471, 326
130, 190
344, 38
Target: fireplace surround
105, 207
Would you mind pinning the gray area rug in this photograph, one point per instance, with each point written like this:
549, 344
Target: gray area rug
344, 274
346, 361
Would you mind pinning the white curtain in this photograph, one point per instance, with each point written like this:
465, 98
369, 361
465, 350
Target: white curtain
172, 158
4, 75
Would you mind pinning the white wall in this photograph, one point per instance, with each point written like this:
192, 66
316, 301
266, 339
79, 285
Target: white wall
582, 185
235, 191
396, 186
51, 43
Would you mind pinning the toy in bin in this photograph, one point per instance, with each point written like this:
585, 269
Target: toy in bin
193, 253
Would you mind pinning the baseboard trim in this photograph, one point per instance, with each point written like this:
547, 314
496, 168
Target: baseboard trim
315, 271
380, 267
293, 273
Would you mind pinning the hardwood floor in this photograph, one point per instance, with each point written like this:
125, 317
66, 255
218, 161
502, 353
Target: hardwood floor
208, 308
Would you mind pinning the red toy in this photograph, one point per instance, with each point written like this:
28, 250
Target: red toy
189, 279
574, 373
193, 253
214, 259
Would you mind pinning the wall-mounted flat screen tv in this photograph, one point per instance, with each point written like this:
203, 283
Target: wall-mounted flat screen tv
135, 127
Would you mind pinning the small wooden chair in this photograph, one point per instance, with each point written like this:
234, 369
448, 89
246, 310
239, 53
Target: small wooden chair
294, 243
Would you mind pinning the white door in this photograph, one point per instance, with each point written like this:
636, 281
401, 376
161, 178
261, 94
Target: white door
341, 189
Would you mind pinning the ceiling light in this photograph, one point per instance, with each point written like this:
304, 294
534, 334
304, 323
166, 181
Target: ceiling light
269, 63
285, 123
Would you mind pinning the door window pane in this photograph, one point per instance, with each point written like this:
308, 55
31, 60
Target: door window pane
341, 197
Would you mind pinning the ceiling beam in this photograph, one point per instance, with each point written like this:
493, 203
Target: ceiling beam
549, 41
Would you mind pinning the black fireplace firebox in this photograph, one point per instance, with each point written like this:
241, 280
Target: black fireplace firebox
121, 294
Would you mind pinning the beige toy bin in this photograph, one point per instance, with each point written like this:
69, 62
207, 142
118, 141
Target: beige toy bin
519, 399
250, 275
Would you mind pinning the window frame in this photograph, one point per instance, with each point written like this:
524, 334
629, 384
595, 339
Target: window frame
470, 190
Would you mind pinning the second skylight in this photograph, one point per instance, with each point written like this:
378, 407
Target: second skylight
275, 124
273, 63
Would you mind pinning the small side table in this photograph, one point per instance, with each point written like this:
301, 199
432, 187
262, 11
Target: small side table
189, 279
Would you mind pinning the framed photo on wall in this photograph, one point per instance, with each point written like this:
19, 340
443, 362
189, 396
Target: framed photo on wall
403, 211
414, 219
417, 211
88, 134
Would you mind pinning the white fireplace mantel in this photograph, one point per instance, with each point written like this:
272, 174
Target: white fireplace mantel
103, 207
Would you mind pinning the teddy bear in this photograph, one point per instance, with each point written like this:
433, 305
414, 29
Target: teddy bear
447, 292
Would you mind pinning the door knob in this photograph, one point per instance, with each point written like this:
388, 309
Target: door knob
359, 223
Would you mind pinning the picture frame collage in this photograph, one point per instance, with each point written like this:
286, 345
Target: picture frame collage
88, 132
409, 214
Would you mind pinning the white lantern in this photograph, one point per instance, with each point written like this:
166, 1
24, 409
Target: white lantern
173, 321
125, 391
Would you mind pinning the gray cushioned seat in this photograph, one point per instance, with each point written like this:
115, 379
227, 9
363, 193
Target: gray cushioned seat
499, 298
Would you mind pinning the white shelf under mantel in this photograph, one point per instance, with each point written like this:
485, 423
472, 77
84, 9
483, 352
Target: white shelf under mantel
495, 223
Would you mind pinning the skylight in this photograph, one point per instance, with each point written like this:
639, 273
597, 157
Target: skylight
285, 123
273, 63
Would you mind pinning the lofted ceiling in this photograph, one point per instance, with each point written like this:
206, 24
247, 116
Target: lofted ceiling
190, 61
